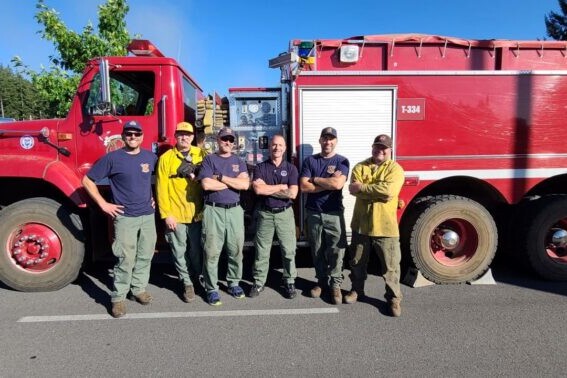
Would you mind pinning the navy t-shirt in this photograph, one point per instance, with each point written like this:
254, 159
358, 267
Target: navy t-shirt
130, 179
286, 173
230, 166
318, 166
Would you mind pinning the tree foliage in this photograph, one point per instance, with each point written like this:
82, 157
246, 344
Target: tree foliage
18, 99
57, 84
556, 23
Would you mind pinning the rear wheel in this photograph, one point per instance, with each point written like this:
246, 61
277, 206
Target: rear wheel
42, 247
453, 240
543, 236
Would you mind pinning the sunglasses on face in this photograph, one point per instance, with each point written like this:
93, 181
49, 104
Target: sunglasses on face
227, 139
130, 134
379, 147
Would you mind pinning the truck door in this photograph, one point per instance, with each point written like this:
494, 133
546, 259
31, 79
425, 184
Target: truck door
358, 114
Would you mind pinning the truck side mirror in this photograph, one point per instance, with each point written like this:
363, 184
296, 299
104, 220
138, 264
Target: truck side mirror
105, 99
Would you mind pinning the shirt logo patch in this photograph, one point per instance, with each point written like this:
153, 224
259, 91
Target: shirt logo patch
145, 167
284, 173
331, 169
235, 168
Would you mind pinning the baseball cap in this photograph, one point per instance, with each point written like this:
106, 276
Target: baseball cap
383, 140
184, 126
226, 131
329, 131
132, 125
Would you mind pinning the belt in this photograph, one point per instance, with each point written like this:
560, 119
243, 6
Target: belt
275, 210
222, 205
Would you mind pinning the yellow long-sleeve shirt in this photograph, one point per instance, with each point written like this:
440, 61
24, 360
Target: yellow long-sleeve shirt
374, 214
178, 197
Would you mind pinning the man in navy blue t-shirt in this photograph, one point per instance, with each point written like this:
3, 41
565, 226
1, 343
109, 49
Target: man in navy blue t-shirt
223, 175
323, 176
275, 183
129, 171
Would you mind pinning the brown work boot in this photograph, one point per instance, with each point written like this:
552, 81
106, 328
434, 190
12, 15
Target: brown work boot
316, 291
143, 298
337, 295
351, 297
395, 309
189, 294
118, 309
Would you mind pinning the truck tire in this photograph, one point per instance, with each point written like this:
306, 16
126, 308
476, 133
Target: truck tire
453, 240
42, 245
543, 236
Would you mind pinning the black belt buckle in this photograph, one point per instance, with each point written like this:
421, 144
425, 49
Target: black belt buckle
222, 205
276, 210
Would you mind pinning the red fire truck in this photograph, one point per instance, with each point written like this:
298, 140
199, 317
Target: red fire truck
476, 126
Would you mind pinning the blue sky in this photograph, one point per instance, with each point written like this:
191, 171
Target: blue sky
227, 44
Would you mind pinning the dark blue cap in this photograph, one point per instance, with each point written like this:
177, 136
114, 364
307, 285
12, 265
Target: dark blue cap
132, 125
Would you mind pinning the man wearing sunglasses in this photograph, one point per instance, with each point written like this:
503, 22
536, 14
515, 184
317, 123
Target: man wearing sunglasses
129, 171
180, 202
223, 175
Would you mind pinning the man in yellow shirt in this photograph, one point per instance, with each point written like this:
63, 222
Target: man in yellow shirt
376, 183
180, 202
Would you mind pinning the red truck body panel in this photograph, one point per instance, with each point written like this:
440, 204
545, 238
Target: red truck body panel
491, 109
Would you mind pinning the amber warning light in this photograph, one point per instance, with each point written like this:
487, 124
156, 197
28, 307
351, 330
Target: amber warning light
411, 181
143, 47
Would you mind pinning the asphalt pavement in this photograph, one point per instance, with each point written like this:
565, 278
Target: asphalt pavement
514, 328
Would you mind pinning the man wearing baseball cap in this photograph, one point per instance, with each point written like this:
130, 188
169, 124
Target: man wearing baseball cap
180, 202
129, 171
223, 175
322, 177
376, 183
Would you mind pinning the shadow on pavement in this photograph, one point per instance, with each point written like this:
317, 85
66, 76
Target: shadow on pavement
508, 269
85, 281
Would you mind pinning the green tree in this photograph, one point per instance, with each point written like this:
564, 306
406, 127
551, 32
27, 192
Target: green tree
18, 99
556, 23
58, 84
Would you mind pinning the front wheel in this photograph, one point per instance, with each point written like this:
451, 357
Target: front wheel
453, 239
42, 247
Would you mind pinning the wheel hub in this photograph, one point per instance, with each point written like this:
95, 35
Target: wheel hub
557, 247
447, 239
454, 242
559, 238
35, 247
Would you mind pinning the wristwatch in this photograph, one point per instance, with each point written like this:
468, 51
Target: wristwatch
219, 177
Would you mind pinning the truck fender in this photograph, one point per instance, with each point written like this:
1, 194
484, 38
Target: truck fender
52, 171
67, 181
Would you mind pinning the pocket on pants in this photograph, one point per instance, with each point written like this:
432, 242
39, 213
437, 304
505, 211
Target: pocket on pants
356, 253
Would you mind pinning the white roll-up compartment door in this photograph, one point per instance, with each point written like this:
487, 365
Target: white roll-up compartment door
358, 115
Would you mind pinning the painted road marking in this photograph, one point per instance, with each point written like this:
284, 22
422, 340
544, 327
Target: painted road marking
196, 314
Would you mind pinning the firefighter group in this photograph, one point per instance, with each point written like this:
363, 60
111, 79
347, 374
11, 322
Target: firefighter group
198, 199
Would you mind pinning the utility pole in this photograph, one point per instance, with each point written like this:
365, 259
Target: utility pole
2, 106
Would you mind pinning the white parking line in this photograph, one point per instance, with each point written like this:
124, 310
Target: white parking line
197, 314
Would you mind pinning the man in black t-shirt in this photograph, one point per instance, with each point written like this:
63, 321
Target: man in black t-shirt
276, 183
